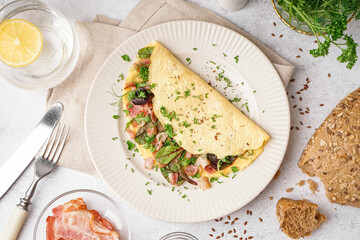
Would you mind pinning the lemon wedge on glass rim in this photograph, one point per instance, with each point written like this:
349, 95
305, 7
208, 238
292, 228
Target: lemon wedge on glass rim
21, 42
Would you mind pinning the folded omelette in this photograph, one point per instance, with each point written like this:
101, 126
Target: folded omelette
182, 125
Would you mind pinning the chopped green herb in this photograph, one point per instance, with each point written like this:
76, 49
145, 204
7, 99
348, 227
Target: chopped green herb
234, 169
114, 138
172, 189
177, 92
213, 126
166, 114
185, 124
263, 111
149, 192
195, 49
188, 60
213, 179
233, 176
130, 145
169, 130
195, 109
235, 99
206, 94
194, 142
186, 187
153, 85
121, 76
254, 91
224, 54
195, 121
196, 175
212, 62
126, 57
126, 112
116, 117
236, 58
199, 150
147, 183
214, 44
180, 143
184, 196
132, 170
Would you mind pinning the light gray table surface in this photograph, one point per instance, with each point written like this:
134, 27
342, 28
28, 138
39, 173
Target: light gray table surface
20, 110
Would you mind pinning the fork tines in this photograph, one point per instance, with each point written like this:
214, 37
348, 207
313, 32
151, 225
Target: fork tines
55, 143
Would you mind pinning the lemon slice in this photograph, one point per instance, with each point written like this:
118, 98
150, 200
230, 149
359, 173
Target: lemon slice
21, 42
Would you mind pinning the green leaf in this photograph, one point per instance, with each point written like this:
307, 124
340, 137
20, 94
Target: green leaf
213, 179
169, 130
234, 169
145, 52
168, 153
126, 57
144, 73
130, 145
116, 117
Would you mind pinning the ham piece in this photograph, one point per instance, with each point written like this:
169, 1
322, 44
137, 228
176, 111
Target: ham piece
73, 221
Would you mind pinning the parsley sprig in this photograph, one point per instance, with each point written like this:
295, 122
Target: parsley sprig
328, 19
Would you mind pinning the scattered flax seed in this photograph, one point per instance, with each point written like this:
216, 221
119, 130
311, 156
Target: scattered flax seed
298, 92
229, 232
217, 237
275, 24
300, 109
281, 36
235, 236
301, 113
245, 223
213, 229
260, 219
273, 34
234, 230
271, 198
245, 231
315, 41
250, 213
300, 49
226, 222
297, 128
292, 127
292, 80
211, 235
329, 75
295, 106
308, 109
306, 112
232, 223
251, 237
229, 217
289, 189
321, 105
298, 56
236, 219
216, 220
221, 219
222, 234
301, 123
300, 98
308, 126
277, 174
247, 212
240, 238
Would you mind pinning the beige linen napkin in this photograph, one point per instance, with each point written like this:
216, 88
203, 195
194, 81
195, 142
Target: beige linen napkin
99, 38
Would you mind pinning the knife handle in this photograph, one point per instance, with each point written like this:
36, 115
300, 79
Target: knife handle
14, 225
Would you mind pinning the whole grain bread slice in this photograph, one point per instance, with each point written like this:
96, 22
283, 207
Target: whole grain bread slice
333, 152
298, 218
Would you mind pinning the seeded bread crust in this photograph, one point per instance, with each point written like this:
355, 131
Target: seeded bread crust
333, 152
298, 218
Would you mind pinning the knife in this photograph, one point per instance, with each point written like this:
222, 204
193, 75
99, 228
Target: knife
17, 163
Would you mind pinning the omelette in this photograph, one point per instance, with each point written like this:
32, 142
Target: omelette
182, 125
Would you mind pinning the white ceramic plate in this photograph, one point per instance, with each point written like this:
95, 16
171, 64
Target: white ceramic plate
253, 78
107, 208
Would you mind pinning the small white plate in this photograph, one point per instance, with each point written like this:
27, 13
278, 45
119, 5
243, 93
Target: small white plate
253, 78
106, 207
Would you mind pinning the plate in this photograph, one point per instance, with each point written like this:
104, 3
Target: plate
107, 208
253, 78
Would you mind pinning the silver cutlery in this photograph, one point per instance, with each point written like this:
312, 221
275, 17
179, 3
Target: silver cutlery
12, 168
44, 165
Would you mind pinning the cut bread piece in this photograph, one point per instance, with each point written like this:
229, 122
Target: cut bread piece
298, 218
333, 152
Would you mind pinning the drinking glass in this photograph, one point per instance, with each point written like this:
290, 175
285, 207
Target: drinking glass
60, 46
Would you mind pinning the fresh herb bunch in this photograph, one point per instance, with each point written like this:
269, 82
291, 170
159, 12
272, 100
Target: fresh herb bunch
329, 19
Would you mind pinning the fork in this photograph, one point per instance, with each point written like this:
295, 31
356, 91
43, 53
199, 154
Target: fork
44, 165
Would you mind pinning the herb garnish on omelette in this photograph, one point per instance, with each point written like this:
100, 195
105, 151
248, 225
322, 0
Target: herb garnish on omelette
184, 126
